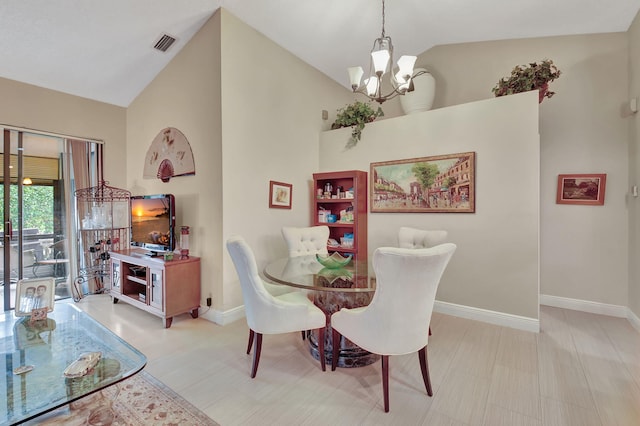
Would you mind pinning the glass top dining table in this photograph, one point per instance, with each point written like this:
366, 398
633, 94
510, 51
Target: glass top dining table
352, 286
46, 348
306, 272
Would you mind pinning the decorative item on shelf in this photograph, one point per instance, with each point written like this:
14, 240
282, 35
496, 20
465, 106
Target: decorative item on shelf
334, 260
328, 189
346, 215
323, 215
534, 76
184, 242
356, 115
421, 99
347, 240
381, 64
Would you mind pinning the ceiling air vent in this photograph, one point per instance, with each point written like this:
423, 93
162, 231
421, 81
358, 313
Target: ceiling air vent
164, 42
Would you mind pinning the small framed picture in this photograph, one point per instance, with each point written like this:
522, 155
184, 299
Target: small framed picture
280, 195
585, 189
35, 296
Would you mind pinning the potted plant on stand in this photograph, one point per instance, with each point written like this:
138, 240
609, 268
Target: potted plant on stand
356, 115
534, 76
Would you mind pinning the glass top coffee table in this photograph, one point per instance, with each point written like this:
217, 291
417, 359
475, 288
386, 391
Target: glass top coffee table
50, 346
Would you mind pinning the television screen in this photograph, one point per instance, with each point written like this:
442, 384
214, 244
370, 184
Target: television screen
153, 221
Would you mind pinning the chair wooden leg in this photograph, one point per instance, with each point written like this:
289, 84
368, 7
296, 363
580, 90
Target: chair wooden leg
321, 348
304, 334
385, 381
250, 341
335, 339
424, 366
256, 355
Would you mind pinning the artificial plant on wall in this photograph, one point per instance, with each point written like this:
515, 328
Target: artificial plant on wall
356, 115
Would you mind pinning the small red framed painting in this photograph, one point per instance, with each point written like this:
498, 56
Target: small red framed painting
585, 189
280, 195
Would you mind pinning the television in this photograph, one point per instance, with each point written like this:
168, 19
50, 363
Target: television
153, 222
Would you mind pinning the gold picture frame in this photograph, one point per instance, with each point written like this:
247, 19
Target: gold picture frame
437, 184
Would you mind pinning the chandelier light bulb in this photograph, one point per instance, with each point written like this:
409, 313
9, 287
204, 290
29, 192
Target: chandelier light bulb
372, 84
380, 60
355, 76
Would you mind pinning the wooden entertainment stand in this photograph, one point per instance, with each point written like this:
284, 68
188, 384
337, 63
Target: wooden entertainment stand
162, 288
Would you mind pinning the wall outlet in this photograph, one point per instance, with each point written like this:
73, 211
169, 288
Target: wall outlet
208, 301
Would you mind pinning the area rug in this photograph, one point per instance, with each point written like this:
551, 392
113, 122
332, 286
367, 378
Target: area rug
141, 400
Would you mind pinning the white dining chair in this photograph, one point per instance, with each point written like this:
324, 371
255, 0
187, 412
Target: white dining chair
396, 322
306, 241
268, 314
415, 238
420, 238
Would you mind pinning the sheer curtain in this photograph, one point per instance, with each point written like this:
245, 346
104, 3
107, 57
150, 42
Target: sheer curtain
82, 169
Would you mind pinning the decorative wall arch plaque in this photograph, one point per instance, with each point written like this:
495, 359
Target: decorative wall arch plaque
168, 156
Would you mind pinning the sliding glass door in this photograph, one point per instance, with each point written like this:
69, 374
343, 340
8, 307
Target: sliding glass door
37, 207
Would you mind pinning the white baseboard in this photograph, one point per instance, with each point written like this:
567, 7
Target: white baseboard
491, 317
584, 306
634, 320
592, 307
224, 317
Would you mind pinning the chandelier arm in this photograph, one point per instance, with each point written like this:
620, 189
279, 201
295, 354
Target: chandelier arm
395, 92
379, 98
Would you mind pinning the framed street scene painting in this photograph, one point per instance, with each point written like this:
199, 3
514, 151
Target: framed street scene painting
439, 184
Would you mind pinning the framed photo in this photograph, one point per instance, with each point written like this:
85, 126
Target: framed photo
35, 296
585, 189
280, 195
440, 184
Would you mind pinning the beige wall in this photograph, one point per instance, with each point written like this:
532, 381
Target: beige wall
496, 265
248, 108
33, 107
186, 95
634, 169
272, 106
583, 129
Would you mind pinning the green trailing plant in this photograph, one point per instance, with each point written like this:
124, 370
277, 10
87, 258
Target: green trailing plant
534, 76
356, 115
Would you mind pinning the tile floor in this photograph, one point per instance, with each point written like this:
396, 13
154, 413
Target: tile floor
581, 369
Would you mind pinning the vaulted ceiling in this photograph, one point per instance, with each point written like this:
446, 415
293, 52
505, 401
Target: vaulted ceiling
103, 50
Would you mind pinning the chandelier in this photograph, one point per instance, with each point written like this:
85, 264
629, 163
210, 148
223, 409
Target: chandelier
381, 64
